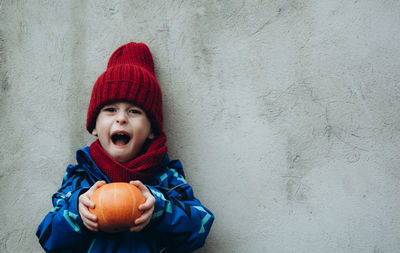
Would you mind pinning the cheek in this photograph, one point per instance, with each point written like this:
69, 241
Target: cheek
143, 127
102, 128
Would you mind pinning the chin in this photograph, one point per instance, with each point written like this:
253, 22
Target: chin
123, 158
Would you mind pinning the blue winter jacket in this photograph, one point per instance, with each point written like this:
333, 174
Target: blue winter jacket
180, 223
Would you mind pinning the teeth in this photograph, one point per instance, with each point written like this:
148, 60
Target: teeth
120, 138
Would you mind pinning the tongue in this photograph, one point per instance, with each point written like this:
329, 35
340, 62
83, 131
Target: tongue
120, 142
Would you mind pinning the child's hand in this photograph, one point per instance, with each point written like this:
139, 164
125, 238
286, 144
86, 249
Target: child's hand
146, 208
89, 219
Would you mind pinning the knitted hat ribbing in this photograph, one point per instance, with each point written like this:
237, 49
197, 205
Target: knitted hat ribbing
129, 77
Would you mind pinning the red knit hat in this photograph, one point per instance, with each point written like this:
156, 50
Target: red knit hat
129, 77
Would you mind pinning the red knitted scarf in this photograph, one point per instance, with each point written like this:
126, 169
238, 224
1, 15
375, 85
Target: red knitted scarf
140, 168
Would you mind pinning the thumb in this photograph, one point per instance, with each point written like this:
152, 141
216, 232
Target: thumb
96, 186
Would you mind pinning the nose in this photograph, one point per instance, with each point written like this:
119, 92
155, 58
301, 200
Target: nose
121, 118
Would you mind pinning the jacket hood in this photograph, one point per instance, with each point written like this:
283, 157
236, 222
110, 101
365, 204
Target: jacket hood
86, 164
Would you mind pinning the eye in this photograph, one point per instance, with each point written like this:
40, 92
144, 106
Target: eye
135, 111
109, 109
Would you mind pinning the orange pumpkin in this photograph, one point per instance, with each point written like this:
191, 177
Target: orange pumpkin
116, 206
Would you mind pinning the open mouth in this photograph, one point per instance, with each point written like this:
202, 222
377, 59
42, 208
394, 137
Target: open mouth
120, 139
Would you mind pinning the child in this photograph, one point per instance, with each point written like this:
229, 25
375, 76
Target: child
125, 113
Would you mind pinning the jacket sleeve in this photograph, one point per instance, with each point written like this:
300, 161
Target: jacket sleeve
62, 229
179, 218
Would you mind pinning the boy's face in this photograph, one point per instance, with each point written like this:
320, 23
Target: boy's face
122, 129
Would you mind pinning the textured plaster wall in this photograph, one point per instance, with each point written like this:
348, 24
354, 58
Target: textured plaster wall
284, 113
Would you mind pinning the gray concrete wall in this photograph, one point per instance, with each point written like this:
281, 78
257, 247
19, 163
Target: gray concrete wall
284, 113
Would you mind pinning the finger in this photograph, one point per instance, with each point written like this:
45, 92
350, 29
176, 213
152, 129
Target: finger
86, 201
90, 224
139, 185
141, 220
146, 193
94, 229
85, 213
138, 228
149, 203
94, 187
88, 215
146, 206
99, 184
144, 217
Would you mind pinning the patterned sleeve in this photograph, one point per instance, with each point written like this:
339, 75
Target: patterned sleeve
62, 227
179, 218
